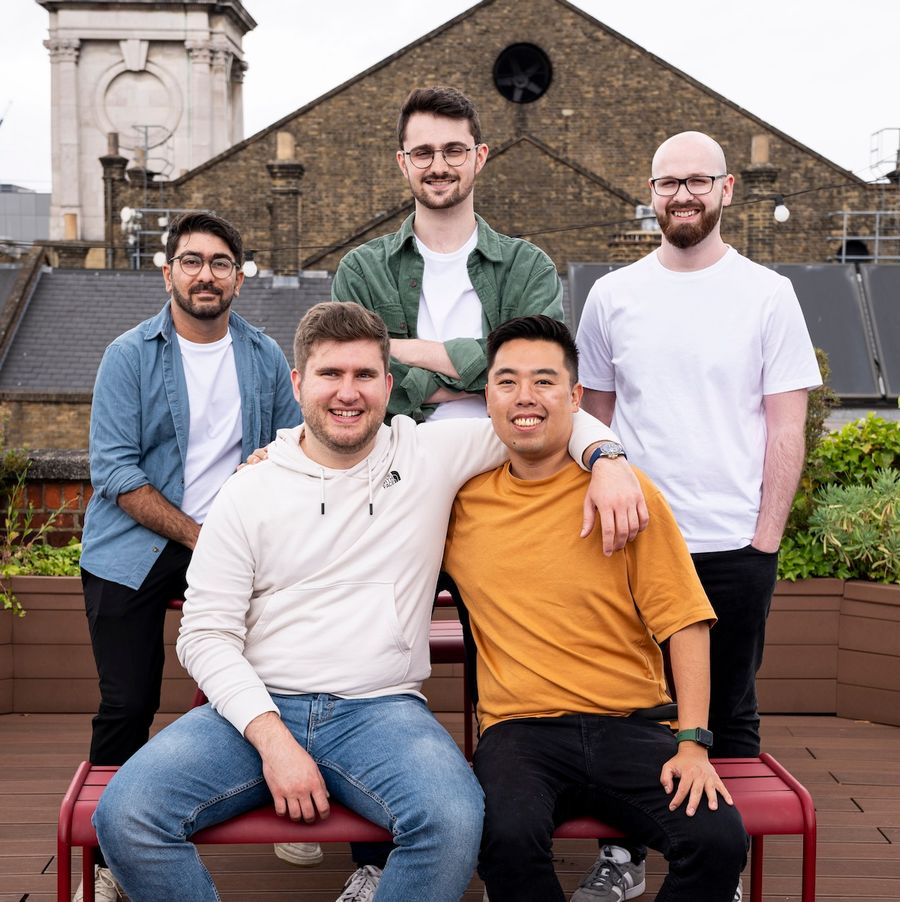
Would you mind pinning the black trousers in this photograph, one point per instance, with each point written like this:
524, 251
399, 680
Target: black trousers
611, 766
126, 627
739, 585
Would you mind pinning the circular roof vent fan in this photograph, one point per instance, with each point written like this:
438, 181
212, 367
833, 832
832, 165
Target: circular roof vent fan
522, 73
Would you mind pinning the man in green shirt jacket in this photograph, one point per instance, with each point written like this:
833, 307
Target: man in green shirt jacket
446, 278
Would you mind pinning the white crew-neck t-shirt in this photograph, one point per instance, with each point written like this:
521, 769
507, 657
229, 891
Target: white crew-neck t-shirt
450, 308
214, 436
690, 356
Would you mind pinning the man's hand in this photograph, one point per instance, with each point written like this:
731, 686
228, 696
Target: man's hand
697, 777
615, 494
290, 773
258, 456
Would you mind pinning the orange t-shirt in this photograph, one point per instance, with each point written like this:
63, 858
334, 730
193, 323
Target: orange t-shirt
561, 628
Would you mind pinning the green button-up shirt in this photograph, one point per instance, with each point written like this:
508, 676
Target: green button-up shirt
510, 276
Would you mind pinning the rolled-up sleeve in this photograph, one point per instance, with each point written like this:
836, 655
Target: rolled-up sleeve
115, 434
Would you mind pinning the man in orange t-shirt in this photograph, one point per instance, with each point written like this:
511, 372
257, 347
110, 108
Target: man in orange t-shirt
568, 659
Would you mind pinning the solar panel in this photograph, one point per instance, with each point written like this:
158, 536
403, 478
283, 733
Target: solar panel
881, 284
834, 309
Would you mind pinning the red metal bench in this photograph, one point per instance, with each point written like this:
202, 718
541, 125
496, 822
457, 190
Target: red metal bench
771, 802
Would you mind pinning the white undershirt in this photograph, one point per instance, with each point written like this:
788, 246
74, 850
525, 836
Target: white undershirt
450, 308
214, 435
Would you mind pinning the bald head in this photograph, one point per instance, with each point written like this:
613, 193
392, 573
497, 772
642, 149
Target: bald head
692, 152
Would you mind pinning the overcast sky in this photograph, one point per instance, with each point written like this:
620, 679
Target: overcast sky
824, 71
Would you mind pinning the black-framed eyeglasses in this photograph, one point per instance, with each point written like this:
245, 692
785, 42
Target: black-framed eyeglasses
191, 264
453, 154
667, 186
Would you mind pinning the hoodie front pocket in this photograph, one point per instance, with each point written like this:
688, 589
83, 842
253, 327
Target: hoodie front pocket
342, 638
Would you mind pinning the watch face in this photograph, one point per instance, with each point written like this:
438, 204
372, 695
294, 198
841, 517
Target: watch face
611, 449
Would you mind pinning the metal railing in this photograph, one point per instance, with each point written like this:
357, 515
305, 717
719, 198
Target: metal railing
872, 236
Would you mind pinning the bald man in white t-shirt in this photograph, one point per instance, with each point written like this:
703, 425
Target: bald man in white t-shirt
702, 361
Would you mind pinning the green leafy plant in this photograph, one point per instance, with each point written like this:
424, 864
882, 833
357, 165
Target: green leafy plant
859, 525
850, 457
24, 550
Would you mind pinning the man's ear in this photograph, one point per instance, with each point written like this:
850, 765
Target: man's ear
727, 190
296, 379
402, 163
481, 155
577, 394
167, 277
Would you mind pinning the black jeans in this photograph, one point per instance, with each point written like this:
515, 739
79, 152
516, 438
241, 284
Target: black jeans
126, 627
612, 766
739, 585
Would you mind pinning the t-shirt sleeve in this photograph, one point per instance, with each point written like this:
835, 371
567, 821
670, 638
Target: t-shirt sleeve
789, 361
666, 589
595, 366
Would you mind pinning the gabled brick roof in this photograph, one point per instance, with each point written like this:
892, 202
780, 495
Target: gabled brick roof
74, 314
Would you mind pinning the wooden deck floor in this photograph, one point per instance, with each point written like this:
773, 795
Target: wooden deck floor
851, 768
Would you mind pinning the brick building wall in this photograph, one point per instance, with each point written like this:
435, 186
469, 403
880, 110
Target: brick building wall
46, 420
609, 105
58, 488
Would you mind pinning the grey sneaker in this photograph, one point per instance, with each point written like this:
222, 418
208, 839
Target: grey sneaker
300, 854
361, 885
613, 878
106, 887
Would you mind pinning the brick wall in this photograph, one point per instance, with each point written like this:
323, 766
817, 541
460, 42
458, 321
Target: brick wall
46, 420
58, 486
609, 105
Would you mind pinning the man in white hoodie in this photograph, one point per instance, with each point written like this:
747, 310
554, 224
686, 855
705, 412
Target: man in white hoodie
306, 624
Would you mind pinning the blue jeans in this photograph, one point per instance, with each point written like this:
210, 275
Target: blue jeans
386, 758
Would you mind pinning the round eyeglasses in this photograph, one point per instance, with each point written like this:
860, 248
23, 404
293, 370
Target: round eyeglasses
191, 264
667, 186
453, 154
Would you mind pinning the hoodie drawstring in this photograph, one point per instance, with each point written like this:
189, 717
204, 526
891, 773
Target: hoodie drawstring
368, 480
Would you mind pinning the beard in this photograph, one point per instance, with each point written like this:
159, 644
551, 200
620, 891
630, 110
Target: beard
684, 235
456, 195
315, 421
205, 310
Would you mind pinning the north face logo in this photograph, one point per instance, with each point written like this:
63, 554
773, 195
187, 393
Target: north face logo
391, 479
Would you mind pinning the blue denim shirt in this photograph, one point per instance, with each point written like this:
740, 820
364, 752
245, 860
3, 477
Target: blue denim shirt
139, 432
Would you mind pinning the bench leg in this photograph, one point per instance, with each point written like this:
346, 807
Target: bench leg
756, 869
808, 891
87, 872
63, 872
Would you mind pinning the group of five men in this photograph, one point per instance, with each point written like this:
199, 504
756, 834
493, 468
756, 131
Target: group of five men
310, 580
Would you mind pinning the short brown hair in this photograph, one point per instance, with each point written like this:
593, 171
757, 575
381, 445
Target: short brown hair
337, 321
439, 100
208, 224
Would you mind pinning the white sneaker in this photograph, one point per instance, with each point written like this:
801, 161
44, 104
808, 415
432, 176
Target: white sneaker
739, 892
106, 887
300, 854
361, 885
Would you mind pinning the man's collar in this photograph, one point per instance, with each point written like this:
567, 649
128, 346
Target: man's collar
488, 240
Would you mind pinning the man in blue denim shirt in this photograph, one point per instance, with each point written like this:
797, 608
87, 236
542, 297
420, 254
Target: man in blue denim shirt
179, 402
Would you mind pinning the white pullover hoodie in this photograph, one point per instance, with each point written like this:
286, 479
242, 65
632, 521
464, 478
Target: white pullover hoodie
312, 580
